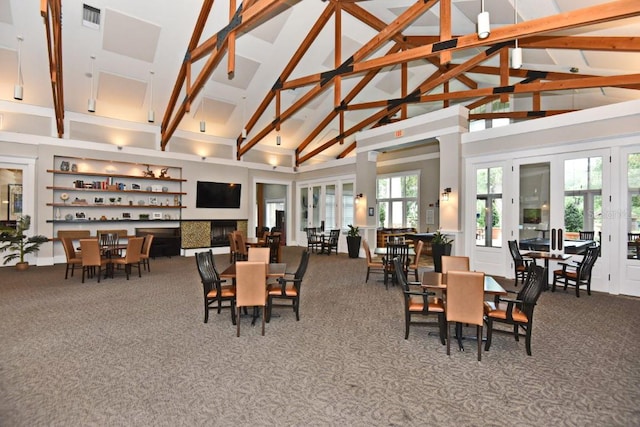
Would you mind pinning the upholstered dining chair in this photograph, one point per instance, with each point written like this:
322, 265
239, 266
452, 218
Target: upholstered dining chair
232, 247
241, 246
251, 288
132, 256
215, 291
451, 262
520, 263
372, 265
288, 287
72, 258
256, 254
465, 303
413, 266
577, 274
419, 304
517, 311
92, 258
146, 250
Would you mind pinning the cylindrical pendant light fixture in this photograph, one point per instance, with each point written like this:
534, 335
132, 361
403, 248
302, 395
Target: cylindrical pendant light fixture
91, 103
516, 55
484, 22
203, 123
151, 115
18, 88
278, 140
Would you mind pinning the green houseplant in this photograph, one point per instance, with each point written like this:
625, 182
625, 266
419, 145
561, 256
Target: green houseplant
440, 246
16, 242
353, 241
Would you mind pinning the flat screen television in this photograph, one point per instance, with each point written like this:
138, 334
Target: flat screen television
217, 195
532, 216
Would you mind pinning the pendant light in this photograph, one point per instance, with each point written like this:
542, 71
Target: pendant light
244, 107
516, 55
484, 22
91, 104
203, 124
18, 88
151, 115
278, 140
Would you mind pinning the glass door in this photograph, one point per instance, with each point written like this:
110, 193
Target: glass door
630, 223
561, 207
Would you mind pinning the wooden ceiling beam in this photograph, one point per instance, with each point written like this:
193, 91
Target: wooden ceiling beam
293, 62
533, 114
51, 12
215, 46
406, 18
445, 29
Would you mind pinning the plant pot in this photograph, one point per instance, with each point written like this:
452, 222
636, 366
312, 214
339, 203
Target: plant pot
22, 266
353, 245
438, 251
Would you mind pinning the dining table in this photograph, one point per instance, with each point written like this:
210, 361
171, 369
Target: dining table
546, 257
491, 288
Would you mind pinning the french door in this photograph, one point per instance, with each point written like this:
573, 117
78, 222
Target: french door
558, 199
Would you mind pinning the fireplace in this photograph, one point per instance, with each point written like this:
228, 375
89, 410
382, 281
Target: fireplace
220, 230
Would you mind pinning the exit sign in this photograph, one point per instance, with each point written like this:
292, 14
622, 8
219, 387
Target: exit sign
399, 133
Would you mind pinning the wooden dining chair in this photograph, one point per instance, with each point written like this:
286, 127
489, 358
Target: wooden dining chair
216, 291
288, 287
258, 255
520, 263
375, 266
131, 257
146, 250
517, 311
73, 259
465, 303
420, 303
92, 258
251, 288
241, 246
458, 263
232, 247
414, 266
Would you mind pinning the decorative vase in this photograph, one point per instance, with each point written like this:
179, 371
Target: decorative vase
22, 266
64, 166
58, 213
353, 245
438, 252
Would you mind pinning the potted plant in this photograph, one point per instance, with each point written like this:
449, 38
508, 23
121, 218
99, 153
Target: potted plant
353, 241
16, 242
440, 245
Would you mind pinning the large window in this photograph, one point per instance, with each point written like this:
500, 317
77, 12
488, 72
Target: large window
583, 196
398, 200
489, 207
633, 225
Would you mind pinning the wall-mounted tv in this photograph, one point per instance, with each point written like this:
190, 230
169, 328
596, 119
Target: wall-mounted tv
217, 195
532, 216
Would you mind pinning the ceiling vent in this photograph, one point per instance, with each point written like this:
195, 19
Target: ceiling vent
90, 17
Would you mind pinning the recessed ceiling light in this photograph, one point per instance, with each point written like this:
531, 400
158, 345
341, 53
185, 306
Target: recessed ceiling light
574, 69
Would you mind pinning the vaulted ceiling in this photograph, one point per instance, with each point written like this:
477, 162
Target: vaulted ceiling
312, 73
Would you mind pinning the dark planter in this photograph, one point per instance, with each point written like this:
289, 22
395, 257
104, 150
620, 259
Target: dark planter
353, 245
438, 251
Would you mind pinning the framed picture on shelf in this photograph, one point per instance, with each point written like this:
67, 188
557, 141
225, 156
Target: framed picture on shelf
15, 201
98, 200
153, 200
156, 215
126, 215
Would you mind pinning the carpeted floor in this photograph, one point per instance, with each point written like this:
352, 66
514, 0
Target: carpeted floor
137, 353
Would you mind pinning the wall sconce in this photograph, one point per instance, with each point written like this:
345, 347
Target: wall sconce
484, 23
359, 196
445, 194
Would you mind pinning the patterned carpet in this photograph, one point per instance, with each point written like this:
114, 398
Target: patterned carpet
137, 353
